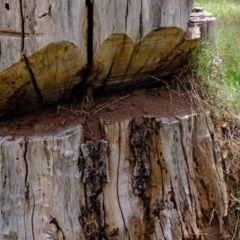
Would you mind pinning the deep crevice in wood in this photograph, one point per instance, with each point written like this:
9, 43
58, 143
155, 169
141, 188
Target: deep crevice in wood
95, 175
26, 174
81, 88
89, 4
141, 152
128, 2
34, 82
59, 229
141, 22
108, 74
33, 79
32, 221
22, 27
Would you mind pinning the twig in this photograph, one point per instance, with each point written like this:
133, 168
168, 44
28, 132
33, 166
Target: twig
236, 227
97, 110
214, 210
85, 113
58, 107
89, 128
91, 225
234, 198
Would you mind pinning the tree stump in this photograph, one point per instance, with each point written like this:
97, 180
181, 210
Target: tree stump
53, 51
155, 177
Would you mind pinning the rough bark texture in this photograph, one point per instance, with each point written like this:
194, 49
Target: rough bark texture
51, 51
149, 180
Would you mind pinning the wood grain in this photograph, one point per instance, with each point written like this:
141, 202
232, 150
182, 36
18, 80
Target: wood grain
51, 47
58, 187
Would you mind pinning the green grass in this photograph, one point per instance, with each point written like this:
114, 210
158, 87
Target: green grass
223, 90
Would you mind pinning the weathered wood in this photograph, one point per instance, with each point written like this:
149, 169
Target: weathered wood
141, 38
48, 49
43, 52
10, 34
206, 22
149, 180
40, 191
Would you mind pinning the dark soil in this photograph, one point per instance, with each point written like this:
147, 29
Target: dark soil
157, 102
211, 232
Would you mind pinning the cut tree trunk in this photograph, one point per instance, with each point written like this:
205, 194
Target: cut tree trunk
51, 51
159, 178
150, 180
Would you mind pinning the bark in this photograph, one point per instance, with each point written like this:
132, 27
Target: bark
157, 179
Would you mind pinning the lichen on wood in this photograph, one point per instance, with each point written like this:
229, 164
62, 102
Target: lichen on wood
95, 175
141, 152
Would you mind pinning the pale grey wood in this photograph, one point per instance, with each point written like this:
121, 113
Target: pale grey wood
55, 21
10, 33
13, 189
160, 177
211, 172
187, 135
115, 221
173, 153
132, 206
137, 18
40, 191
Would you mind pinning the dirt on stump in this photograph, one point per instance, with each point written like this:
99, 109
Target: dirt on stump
156, 102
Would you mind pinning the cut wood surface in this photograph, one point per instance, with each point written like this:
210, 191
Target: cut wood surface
43, 52
141, 37
52, 50
157, 179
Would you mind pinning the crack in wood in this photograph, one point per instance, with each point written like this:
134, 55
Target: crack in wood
19, 34
105, 81
47, 13
55, 223
32, 221
10, 33
141, 22
34, 81
128, 2
82, 87
22, 26
139, 71
26, 174
95, 175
